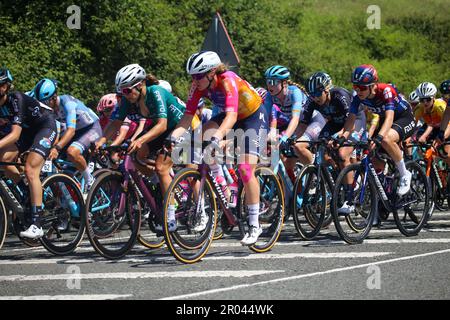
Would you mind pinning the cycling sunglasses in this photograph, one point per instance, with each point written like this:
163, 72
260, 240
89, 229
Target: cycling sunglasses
199, 76
128, 90
316, 94
425, 99
273, 82
360, 88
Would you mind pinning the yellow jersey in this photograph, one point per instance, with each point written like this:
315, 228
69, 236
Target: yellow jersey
434, 117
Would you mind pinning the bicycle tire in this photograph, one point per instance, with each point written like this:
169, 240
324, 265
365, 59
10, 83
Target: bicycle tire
439, 197
272, 220
309, 226
188, 250
51, 221
354, 234
418, 190
3, 222
107, 217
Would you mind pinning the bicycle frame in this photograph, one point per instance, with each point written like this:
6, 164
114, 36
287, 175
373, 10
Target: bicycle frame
206, 174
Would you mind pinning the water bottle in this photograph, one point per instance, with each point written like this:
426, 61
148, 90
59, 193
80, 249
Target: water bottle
224, 186
233, 174
234, 188
227, 174
73, 207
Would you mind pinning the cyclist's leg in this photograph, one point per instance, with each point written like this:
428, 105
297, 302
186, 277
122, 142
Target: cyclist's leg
401, 129
312, 133
39, 151
79, 145
9, 154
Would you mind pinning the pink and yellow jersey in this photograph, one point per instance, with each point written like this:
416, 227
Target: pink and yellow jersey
232, 94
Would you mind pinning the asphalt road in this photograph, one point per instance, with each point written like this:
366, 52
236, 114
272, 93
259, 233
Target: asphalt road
386, 266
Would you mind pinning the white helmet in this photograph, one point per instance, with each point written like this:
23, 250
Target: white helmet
165, 84
426, 90
202, 62
129, 76
414, 97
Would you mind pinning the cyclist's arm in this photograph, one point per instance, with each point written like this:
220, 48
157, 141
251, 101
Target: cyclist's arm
444, 124
293, 124
182, 126
158, 129
427, 132
12, 137
67, 137
349, 125
139, 129
121, 136
110, 130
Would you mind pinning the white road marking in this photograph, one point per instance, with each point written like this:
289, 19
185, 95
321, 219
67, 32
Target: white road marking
69, 297
231, 256
308, 275
140, 275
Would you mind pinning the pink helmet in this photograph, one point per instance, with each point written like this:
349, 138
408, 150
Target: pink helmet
108, 101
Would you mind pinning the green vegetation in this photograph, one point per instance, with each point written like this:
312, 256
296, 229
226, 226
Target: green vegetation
412, 45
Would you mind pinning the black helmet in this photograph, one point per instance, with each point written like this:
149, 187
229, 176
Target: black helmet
5, 76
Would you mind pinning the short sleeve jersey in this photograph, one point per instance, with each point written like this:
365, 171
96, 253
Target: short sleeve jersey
231, 94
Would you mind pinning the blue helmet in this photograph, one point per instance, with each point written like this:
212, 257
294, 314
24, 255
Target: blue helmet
5, 76
45, 89
277, 72
364, 75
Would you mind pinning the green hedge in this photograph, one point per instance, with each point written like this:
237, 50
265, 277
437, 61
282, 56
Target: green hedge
412, 45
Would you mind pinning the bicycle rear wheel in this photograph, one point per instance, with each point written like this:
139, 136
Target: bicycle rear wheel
413, 209
271, 214
148, 235
185, 243
113, 215
309, 203
63, 225
354, 227
3, 222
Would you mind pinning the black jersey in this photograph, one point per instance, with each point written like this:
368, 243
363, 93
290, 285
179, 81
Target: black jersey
335, 111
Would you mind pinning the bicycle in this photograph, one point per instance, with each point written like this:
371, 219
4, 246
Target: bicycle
58, 190
114, 207
189, 246
437, 173
367, 188
312, 190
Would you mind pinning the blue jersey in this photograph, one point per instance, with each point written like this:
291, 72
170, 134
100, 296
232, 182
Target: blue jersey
386, 98
292, 104
74, 114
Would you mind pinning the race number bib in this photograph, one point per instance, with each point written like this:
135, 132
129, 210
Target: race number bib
48, 166
91, 167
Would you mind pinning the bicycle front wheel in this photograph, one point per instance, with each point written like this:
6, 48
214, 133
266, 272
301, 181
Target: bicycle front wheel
413, 210
195, 216
309, 202
271, 210
63, 215
113, 215
353, 227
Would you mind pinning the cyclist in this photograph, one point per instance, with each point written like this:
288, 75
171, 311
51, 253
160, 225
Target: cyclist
334, 104
142, 97
285, 100
105, 108
430, 110
239, 107
444, 131
82, 126
33, 128
413, 99
396, 118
